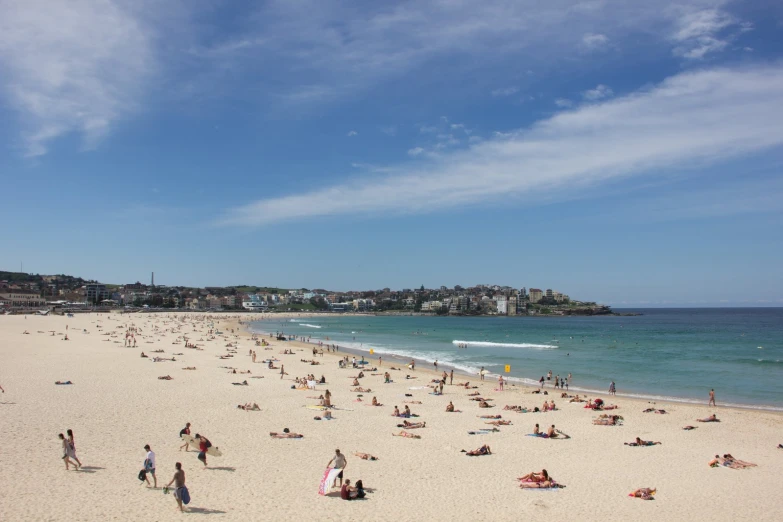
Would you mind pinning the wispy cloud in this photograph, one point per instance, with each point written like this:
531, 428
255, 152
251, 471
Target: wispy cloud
352, 133
599, 93
563, 103
505, 91
706, 31
389, 130
594, 42
702, 116
72, 67
415, 151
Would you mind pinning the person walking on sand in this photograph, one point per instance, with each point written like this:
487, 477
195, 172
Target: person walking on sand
612, 389
66, 453
451, 377
339, 463
72, 447
185, 431
149, 465
712, 398
500, 382
282, 371
481, 373
179, 483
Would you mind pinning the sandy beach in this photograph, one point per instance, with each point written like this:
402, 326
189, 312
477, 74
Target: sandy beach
117, 404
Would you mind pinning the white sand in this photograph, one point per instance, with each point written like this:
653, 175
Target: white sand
117, 405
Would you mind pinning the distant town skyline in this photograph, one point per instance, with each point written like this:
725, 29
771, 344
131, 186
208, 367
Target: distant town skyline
626, 152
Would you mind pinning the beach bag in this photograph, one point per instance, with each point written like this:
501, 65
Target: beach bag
184, 495
143, 475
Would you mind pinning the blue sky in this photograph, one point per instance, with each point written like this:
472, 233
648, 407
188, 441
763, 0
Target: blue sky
622, 151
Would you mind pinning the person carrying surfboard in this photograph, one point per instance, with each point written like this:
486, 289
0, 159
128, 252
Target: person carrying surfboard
203, 446
185, 431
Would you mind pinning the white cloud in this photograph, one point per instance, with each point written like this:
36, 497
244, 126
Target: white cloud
505, 91
390, 130
702, 32
563, 102
352, 133
599, 93
75, 66
695, 117
415, 151
428, 129
594, 42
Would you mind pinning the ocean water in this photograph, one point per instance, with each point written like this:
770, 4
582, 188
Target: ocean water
673, 354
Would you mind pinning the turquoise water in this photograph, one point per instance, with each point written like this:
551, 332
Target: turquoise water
677, 354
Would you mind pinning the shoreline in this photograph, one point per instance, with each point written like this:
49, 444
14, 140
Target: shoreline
526, 384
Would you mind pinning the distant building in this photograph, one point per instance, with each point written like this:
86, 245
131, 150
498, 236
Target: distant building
95, 293
550, 294
512, 305
535, 295
502, 305
17, 298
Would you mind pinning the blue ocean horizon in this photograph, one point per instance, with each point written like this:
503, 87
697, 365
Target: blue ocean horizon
663, 354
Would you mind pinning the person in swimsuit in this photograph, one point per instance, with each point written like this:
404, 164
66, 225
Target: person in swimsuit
179, 483
535, 477
712, 398
365, 456
640, 442
483, 450
340, 463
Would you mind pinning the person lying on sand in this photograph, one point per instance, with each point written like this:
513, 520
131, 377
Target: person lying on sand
640, 442
189, 368
499, 423
483, 450
243, 383
611, 420
249, 407
643, 493
650, 410
412, 425
688, 428
144, 355
63, 382
285, 435
365, 456
485, 404
362, 390
730, 462
535, 477
479, 399
711, 418
406, 435
166, 378
539, 485
411, 402
474, 394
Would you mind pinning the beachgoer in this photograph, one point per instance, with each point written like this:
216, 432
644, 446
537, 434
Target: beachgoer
149, 466
643, 493
612, 389
185, 431
712, 398
483, 450
203, 446
640, 442
481, 373
450, 407
72, 448
500, 382
66, 453
346, 491
179, 482
451, 377
711, 418
340, 463
365, 456
535, 477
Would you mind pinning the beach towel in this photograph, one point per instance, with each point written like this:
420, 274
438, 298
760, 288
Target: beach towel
311, 384
184, 494
542, 435
326, 481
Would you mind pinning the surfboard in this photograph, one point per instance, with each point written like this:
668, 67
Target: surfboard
212, 452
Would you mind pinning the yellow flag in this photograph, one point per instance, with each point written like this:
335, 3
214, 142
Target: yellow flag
508, 368
372, 351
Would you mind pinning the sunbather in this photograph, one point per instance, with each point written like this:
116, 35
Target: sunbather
406, 435
365, 456
535, 477
483, 450
611, 420
63, 382
499, 422
711, 418
643, 493
285, 435
243, 383
489, 416
412, 425
640, 442
552, 433
166, 378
